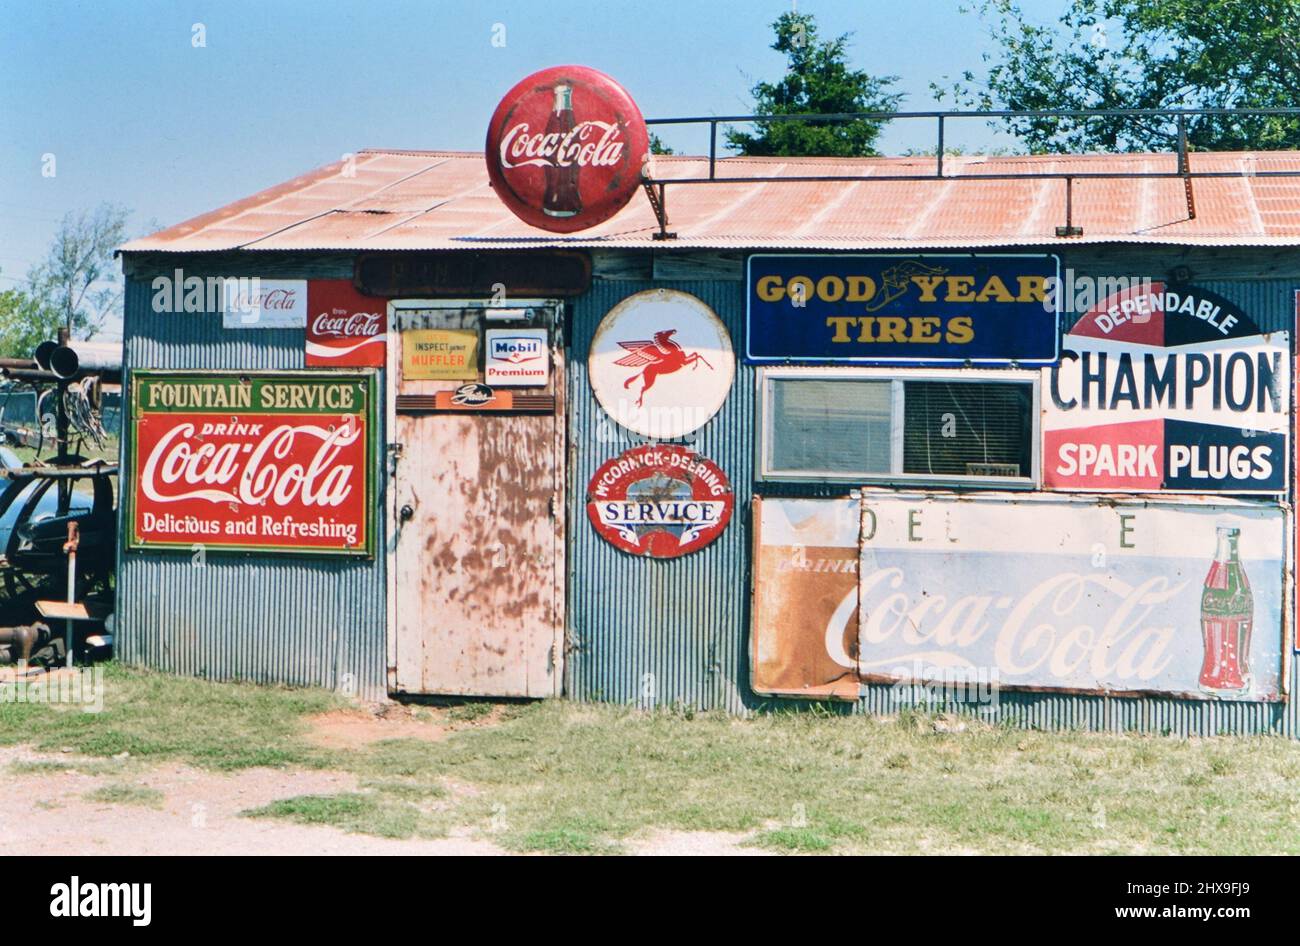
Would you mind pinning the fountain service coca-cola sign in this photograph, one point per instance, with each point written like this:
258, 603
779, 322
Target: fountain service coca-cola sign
565, 148
270, 462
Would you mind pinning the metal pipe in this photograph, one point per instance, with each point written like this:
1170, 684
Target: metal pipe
31, 374
980, 113
88, 356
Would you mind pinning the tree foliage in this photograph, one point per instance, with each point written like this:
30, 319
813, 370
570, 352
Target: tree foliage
24, 323
1106, 54
77, 285
818, 81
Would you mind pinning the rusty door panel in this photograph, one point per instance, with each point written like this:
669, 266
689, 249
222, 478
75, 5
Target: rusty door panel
479, 560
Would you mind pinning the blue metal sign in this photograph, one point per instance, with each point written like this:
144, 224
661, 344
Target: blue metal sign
913, 309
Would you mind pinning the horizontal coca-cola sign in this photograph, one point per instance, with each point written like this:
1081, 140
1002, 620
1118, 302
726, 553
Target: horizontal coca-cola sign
276, 462
955, 597
344, 328
565, 148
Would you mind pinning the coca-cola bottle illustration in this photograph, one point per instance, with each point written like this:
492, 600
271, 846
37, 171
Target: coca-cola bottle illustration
561, 198
1227, 613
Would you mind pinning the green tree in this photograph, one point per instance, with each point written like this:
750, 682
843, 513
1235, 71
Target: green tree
25, 322
818, 81
1104, 54
657, 145
79, 277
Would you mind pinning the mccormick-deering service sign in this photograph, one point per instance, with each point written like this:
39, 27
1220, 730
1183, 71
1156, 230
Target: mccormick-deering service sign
917, 309
659, 500
274, 462
1168, 388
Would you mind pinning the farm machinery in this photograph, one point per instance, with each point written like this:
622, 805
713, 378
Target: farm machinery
57, 506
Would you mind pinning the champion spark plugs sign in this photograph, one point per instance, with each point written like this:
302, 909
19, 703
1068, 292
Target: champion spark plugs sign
1166, 387
659, 500
276, 462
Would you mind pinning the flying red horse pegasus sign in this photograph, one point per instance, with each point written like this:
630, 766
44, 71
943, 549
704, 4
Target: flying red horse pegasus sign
660, 355
638, 354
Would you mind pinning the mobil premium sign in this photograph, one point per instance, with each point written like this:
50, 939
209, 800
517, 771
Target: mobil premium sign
911, 309
1168, 387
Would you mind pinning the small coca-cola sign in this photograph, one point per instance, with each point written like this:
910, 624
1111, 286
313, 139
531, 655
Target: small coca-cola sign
566, 147
344, 328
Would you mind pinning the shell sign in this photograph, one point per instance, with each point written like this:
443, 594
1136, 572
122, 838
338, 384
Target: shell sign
565, 148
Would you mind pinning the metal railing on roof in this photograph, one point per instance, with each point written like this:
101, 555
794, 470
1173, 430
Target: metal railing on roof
656, 189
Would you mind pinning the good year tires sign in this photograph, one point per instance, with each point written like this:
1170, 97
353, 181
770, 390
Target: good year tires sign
279, 462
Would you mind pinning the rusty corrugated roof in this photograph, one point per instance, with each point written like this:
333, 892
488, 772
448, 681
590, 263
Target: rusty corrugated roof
434, 200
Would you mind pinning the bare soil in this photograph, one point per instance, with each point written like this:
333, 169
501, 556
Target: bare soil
49, 813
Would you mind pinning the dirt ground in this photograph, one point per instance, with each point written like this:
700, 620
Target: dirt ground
199, 811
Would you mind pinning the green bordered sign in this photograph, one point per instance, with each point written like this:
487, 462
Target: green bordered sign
253, 461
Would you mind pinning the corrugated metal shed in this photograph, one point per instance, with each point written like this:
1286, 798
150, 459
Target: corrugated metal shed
418, 200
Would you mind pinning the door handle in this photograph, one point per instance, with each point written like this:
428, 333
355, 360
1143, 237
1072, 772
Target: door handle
405, 513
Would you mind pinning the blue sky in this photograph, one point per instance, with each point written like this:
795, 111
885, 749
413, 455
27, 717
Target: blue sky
134, 114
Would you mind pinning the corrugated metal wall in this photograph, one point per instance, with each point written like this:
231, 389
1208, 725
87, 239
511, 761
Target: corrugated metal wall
273, 619
661, 632
648, 631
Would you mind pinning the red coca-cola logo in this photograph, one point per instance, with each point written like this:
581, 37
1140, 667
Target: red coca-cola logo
344, 328
348, 325
565, 148
256, 481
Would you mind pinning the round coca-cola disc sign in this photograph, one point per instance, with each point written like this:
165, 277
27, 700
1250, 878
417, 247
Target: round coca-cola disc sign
659, 500
565, 148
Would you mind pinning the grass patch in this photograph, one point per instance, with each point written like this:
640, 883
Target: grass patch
124, 793
794, 840
362, 813
562, 777
469, 712
156, 716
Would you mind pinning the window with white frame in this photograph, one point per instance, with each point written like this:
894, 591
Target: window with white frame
914, 426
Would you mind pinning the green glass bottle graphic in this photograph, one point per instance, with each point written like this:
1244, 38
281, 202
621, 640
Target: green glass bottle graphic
1227, 613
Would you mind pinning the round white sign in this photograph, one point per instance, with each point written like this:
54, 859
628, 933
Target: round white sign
661, 363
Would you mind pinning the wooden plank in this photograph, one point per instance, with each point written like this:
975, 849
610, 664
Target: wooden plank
77, 611
699, 264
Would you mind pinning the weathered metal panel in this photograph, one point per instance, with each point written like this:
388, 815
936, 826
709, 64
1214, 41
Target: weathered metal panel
411, 200
961, 596
316, 622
